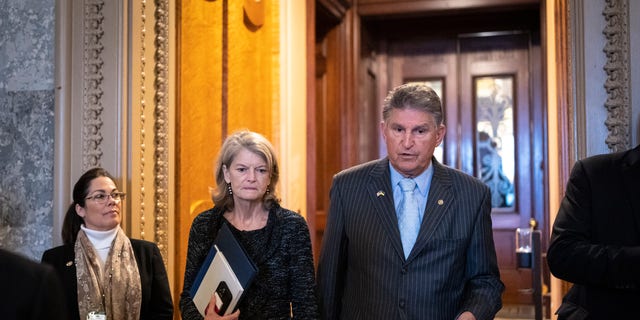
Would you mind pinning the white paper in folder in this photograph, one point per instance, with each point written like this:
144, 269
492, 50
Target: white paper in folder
222, 281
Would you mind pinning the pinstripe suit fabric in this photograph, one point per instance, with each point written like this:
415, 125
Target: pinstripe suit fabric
452, 268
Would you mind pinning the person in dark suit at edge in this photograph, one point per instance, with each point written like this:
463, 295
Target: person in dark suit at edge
450, 270
29, 290
595, 240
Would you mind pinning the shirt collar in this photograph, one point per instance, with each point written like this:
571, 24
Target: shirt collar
422, 180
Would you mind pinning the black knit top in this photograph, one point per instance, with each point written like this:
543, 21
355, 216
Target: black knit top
285, 283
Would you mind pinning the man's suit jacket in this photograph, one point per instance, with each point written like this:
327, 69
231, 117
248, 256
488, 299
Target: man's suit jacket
156, 295
452, 268
595, 241
29, 290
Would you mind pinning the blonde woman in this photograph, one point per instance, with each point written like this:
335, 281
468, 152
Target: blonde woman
276, 239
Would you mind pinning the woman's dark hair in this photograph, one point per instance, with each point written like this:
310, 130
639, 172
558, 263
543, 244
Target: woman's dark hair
72, 221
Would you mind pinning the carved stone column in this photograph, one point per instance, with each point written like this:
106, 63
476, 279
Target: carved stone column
115, 98
617, 67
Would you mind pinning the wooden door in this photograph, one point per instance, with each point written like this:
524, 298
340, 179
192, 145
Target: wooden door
496, 140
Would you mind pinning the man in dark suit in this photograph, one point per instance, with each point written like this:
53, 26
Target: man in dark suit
595, 242
367, 270
29, 290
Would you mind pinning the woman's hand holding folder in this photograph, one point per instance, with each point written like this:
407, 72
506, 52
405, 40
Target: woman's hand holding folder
211, 313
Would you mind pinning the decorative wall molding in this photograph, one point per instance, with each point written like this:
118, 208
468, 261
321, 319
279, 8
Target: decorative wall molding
161, 125
92, 80
141, 115
616, 13
150, 153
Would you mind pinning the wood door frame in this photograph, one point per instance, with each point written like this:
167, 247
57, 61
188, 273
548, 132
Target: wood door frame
311, 123
337, 17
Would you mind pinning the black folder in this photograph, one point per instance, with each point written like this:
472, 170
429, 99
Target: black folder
233, 266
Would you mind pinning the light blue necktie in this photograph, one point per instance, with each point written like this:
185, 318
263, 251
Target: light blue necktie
409, 219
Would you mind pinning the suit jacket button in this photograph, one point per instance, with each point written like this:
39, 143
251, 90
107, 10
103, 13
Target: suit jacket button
404, 270
402, 304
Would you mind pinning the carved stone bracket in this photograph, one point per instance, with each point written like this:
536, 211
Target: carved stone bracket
616, 13
92, 79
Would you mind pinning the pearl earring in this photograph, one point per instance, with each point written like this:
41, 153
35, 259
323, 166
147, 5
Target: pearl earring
229, 189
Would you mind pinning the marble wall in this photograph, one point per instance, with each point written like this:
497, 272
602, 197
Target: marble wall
27, 30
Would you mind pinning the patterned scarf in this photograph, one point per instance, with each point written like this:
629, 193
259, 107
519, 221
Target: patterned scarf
115, 289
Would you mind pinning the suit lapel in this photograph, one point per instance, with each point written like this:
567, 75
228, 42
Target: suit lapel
381, 196
440, 198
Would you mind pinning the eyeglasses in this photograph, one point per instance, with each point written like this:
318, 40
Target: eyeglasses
102, 198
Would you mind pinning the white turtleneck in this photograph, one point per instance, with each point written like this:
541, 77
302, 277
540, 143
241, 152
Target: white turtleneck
101, 241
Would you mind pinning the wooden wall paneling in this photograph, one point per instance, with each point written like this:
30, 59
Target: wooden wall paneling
560, 170
349, 103
336, 9
400, 7
329, 128
199, 45
251, 57
220, 56
371, 114
336, 120
382, 62
538, 130
322, 154
312, 218
199, 124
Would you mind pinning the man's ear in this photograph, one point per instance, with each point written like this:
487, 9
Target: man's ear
382, 127
442, 130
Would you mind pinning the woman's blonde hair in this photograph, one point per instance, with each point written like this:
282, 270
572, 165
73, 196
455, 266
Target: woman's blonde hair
259, 145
